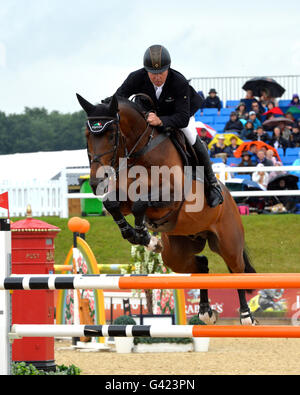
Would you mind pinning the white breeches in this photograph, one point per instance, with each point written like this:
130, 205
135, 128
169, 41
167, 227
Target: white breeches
190, 131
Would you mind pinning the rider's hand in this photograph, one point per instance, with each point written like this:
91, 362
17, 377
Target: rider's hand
153, 119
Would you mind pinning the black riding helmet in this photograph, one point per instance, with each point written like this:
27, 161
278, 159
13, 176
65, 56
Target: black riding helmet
157, 59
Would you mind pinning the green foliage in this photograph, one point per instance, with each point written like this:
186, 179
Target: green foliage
22, 369
151, 340
195, 320
124, 320
37, 130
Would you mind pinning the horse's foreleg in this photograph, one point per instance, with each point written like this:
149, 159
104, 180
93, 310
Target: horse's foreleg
127, 231
144, 237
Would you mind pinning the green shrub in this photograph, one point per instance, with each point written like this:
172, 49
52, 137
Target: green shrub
124, 320
23, 369
195, 320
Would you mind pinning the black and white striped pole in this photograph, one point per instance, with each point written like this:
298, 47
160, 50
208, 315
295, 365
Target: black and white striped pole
5, 298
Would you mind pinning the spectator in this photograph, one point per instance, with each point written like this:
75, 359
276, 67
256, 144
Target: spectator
266, 97
234, 124
290, 116
246, 161
204, 137
261, 177
241, 111
277, 140
248, 100
295, 100
248, 132
295, 137
271, 157
253, 118
285, 131
212, 100
261, 135
258, 111
230, 149
253, 153
219, 147
261, 158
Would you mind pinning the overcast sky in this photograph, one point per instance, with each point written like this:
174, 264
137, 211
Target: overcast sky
51, 49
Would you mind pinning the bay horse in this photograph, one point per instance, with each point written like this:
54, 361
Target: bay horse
120, 130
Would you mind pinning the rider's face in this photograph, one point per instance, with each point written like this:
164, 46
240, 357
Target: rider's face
158, 79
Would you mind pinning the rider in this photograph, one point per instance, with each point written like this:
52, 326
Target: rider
176, 103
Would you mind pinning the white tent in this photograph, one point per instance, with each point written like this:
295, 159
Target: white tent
39, 165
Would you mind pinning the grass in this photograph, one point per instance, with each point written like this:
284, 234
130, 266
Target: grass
273, 242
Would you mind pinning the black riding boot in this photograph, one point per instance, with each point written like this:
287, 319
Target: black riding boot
213, 190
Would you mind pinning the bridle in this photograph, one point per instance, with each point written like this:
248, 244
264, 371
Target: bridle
118, 136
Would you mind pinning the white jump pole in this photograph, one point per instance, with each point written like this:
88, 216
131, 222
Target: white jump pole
5, 298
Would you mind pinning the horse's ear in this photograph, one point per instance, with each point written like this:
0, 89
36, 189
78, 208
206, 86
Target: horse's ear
114, 105
87, 106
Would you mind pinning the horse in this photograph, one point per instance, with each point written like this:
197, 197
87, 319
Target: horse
119, 130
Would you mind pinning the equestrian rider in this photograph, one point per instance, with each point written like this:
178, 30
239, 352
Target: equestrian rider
176, 103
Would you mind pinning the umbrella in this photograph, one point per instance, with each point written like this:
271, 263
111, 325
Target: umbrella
210, 131
294, 110
275, 111
290, 182
276, 120
227, 136
259, 144
256, 85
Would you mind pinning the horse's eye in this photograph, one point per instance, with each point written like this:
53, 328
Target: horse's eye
111, 137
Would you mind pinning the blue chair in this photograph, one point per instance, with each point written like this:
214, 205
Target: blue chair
221, 119
226, 111
233, 161
280, 152
232, 103
292, 151
289, 160
207, 119
219, 127
197, 115
283, 103
216, 160
210, 111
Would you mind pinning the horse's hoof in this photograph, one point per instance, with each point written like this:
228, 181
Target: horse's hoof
209, 317
155, 245
246, 318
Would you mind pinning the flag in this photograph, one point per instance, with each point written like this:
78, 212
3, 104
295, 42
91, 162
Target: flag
210, 131
4, 201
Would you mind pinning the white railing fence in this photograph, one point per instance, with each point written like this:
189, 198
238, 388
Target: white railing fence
230, 88
50, 198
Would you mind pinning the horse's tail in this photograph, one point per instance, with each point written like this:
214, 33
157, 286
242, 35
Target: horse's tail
248, 266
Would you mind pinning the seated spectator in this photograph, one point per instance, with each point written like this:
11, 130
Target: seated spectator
295, 137
219, 147
285, 130
277, 140
261, 177
241, 111
295, 100
257, 109
248, 100
212, 100
266, 97
261, 158
290, 116
248, 132
204, 137
246, 161
253, 118
261, 135
271, 156
234, 124
230, 149
253, 153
